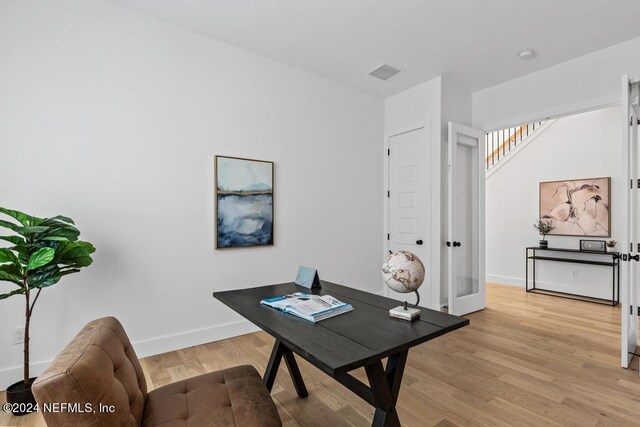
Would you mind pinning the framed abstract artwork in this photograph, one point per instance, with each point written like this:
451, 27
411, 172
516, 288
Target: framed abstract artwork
579, 207
244, 202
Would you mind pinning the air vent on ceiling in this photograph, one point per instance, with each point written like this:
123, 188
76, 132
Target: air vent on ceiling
384, 72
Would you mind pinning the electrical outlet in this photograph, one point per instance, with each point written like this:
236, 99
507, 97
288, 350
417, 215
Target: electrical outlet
18, 336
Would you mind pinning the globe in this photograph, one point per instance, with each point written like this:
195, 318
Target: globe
403, 272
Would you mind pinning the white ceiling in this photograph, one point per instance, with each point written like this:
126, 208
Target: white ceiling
473, 41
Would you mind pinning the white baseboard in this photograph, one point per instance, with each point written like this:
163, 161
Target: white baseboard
505, 280
604, 292
181, 340
9, 376
151, 346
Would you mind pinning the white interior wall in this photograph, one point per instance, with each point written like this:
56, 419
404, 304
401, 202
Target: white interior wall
418, 107
579, 146
113, 119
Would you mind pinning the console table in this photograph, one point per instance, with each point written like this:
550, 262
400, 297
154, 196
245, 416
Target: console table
609, 259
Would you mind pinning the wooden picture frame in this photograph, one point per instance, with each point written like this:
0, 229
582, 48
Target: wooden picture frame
244, 202
577, 207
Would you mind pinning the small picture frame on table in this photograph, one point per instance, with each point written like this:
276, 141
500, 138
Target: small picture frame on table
593, 245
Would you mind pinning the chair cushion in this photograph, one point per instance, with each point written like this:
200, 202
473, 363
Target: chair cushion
231, 397
97, 366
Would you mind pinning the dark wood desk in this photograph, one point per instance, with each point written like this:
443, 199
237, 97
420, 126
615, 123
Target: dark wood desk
360, 338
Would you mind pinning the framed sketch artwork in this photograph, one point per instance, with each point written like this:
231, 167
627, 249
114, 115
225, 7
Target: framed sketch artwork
244, 202
579, 207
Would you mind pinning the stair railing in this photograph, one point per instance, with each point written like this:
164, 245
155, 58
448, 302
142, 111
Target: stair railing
500, 143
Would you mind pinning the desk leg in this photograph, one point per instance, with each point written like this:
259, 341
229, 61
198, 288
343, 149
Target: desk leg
296, 376
278, 351
385, 385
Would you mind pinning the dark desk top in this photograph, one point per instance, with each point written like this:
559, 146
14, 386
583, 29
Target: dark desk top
347, 341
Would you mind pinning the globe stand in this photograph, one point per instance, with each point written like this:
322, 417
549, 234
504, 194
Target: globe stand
406, 313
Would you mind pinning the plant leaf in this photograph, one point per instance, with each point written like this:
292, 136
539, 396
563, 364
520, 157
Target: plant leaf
12, 273
16, 240
15, 292
45, 278
7, 255
76, 254
11, 269
56, 239
8, 277
23, 218
41, 257
69, 271
58, 218
23, 253
31, 229
9, 225
63, 232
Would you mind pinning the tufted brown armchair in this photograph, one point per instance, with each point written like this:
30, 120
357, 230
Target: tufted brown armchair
100, 367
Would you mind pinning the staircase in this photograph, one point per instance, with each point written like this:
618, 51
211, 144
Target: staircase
500, 144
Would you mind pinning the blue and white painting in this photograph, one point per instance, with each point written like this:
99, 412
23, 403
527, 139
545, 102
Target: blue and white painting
244, 202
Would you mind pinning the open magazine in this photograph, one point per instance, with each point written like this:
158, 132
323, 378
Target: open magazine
309, 307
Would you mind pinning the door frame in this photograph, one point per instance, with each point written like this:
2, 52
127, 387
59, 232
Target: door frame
570, 110
455, 128
432, 276
630, 273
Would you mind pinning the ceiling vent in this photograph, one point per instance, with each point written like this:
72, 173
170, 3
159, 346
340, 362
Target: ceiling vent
384, 72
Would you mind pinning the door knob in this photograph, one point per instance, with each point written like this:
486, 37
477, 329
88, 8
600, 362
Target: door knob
419, 242
457, 244
448, 244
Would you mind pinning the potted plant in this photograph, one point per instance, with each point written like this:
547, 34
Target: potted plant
43, 251
544, 227
611, 245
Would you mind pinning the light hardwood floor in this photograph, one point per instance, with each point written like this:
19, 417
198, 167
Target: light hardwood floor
527, 359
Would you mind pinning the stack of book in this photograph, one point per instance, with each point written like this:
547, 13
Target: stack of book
313, 308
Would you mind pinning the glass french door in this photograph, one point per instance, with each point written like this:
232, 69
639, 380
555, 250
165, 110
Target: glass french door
466, 275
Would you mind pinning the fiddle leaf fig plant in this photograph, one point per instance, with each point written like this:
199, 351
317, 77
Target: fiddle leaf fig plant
40, 252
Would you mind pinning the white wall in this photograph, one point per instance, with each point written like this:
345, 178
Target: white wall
579, 146
585, 83
112, 119
417, 107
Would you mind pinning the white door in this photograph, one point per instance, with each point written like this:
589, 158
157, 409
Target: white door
629, 268
466, 278
409, 201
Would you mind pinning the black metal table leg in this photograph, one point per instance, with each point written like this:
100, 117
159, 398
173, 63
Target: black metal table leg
270, 373
534, 269
385, 385
613, 282
526, 271
618, 261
